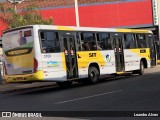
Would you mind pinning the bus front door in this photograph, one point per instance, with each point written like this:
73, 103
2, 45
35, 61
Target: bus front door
152, 47
69, 48
119, 55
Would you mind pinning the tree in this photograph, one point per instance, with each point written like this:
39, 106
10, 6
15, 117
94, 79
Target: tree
2, 16
29, 16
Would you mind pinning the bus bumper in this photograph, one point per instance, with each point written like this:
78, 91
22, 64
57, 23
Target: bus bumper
37, 76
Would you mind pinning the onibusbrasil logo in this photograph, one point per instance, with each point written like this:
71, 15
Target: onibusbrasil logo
24, 114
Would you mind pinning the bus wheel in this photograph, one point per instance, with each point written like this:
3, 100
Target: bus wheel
93, 75
64, 84
141, 70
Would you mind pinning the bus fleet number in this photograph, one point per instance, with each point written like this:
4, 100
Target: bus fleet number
92, 54
47, 56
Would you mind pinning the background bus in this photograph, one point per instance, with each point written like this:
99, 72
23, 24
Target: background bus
64, 53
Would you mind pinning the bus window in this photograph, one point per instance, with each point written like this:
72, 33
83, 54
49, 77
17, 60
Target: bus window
141, 41
158, 49
49, 42
157, 46
104, 41
129, 40
78, 45
88, 41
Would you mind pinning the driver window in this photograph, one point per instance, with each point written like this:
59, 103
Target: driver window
49, 42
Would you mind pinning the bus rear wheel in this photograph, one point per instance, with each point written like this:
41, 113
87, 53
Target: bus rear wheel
93, 75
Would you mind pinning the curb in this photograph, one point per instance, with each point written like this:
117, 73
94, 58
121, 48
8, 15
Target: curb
22, 87
154, 69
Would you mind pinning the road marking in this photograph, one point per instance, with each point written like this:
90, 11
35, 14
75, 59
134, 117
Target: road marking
88, 97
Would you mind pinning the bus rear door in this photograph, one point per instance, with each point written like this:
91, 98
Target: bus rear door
69, 47
151, 44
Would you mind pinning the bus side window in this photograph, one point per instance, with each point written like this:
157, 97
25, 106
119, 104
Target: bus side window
88, 41
78, 44
129, 40
85, 46
141, 41
57, 43
49, 42
104, 41
157, 43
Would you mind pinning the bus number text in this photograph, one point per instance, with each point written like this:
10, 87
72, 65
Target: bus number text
92, 54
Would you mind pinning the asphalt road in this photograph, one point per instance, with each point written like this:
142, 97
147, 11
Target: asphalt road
130, 93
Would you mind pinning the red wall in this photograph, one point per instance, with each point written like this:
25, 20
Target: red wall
2, 27
114, 15
128, 13
61, 16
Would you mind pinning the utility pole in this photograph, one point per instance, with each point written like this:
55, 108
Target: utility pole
15, 2
76, 12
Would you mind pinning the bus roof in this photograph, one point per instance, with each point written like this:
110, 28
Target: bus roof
74, 28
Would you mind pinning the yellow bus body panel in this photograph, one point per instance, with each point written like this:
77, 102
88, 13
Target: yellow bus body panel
25, 61
84, 58
38, 76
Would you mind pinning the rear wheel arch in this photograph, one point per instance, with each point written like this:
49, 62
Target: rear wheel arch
93, 73
94, 65
144, 62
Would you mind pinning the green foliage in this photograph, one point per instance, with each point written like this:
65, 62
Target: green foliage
29, 16
2, 8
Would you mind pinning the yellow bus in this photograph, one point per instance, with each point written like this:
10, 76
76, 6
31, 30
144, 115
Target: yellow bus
65, 53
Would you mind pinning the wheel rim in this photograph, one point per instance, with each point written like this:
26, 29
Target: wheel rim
142, 68
93, 75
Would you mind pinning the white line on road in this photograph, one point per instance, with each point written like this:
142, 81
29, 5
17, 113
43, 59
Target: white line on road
88, 97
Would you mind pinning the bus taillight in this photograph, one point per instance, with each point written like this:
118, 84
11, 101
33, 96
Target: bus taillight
35, 65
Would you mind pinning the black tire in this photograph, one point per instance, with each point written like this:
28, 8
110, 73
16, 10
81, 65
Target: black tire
135, 72
93, 75
65, 84
141, 70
